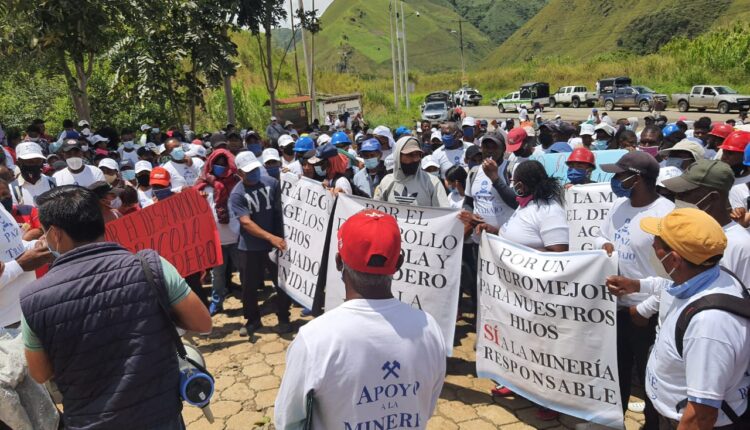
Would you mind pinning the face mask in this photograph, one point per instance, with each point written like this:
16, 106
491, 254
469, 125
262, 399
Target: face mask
523, 201
629, 127
682, 204
178, 154
472, 164
468, 133
658, 266
650, 150
289, 149
255, 148
155, 130
410, 168
85, 148
143, 181
128, 175
320, 171
129, 144
163, 194
253, 177
274, 171
371, 163
7, 204
435, 174
448, 140
674, 162
31, 173
618, 189
577, 176
54, 252
115, 203
738, 170
218, 170
110, 178
451, 190
601, 145
74, 163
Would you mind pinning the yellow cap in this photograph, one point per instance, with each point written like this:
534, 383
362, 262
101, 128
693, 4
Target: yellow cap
692, 233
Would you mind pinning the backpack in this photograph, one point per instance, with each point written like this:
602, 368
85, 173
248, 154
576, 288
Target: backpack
727, 303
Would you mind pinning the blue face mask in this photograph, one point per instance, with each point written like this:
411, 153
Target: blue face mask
255, 148
128, 175
177, 154
577, 176
163, 193
600, 145
252, 177
218, 170
674, 162
372, 163
469, 133
619, 190
448, 140
54, 252
274, 171
472, 164
451, 190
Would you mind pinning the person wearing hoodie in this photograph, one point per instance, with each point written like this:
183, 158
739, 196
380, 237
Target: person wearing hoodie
385, 137
408, 184
218, 178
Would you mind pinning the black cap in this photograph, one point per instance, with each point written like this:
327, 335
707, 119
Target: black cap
217, 139
637, 162
472, 151
70, 144
100, 188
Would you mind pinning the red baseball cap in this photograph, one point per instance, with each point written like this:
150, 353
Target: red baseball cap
159, 176
515, 139
370, 242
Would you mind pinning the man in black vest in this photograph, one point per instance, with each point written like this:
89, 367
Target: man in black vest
93, 324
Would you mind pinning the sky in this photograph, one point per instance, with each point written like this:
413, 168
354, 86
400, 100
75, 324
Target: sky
321, 5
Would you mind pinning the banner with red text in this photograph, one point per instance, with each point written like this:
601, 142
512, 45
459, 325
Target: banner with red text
547, 328
431, 241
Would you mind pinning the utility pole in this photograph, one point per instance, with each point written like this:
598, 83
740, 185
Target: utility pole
399, 61
294, 43
393, 55
313, 96
308, 65
463, 64
406, 61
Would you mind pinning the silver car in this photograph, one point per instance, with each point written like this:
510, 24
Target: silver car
436, 112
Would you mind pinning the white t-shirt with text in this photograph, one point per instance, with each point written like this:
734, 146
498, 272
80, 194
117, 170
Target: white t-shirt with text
84, 178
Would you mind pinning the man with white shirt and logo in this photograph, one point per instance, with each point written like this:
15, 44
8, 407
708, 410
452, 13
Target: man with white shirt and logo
703, 385
76, 173
341, 364
454, 148
32, 181
128, 149
634, 183
182, 171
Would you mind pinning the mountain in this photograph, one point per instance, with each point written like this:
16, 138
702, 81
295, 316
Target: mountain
355, 37
585, 28
498, 19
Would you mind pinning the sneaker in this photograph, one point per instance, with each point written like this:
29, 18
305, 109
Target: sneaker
544, 414
637, 407
501, 391
306, 312
249, 329
283, 328
216, 305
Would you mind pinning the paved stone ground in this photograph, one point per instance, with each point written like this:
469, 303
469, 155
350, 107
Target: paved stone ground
248, 376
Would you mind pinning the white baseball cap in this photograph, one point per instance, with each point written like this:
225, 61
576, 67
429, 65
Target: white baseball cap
142, 166
246, 161
196, 151
109, 164
323, 139
97, 138
273, 118
29, 151
83, 122
428, 161
145, 127
468, 121
285, 140
270, 154
436, 135
587, 129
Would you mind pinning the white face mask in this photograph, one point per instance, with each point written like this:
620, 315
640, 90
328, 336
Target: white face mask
128, 144
84, 148
682, 204
74, 163
658, 266
115, 203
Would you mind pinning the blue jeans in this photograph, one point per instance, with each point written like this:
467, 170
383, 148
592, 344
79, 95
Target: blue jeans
222, 274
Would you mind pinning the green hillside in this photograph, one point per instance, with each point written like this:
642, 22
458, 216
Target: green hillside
498, 19
355, 37
593, 27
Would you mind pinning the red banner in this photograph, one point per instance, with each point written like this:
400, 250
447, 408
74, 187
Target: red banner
181, 229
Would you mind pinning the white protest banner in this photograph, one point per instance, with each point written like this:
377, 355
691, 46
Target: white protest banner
547, 328
306, 207
431, 241
587, 206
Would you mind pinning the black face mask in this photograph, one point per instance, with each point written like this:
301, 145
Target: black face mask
7, 204
31, 173
163, 193
143, 180
289, 149
739, 170
410, 168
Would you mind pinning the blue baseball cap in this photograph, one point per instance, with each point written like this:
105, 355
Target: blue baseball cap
401, 131
304, 144
559, 147
323, 153
370, 145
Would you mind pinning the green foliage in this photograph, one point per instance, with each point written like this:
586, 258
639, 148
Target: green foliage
498, 19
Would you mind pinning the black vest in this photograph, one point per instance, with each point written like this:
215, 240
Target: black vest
109, 343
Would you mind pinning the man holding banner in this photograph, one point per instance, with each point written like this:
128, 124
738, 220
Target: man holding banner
372, 362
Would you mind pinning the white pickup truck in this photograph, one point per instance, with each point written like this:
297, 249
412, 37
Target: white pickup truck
704, 97
574, 96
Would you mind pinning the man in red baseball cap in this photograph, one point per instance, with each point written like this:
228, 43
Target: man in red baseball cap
341, 360
521, 145
733, 153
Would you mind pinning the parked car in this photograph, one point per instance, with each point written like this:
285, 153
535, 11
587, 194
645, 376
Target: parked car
536, 93
572, 96
512, 101
467, 96
627, 97
437, 111
608, 85
704, 97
